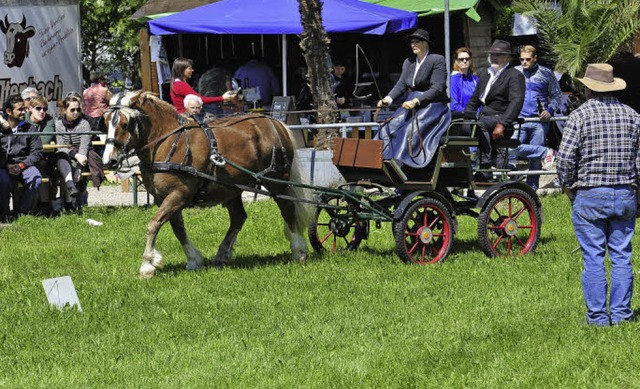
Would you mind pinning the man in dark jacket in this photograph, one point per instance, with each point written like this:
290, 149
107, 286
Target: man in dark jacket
18, 159
500, 93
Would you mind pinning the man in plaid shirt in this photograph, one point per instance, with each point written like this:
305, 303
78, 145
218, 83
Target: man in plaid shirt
599, 168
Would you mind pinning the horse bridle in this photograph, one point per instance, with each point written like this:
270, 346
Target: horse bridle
115, 118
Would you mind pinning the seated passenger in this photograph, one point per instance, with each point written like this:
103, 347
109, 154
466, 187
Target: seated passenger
500, 96
193, 108
463, 81
412, 135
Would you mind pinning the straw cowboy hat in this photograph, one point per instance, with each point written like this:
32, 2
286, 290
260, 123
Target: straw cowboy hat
500, 47
599, 78
419, 34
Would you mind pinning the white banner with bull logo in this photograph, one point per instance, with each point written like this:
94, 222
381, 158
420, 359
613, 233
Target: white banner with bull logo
40, 45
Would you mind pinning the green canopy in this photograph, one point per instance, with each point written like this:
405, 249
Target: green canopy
431, 7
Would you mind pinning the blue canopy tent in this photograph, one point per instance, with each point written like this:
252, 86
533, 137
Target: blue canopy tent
282, 17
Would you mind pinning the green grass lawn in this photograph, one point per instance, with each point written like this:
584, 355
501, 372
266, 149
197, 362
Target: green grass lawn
354, 319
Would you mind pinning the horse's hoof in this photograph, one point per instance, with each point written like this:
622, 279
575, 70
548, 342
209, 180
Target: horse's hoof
157, 261
147, 271
192, 266
302, 257
146, 276
217, 263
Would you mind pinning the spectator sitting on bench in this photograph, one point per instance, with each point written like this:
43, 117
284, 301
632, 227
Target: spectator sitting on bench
41, 121
77, 154
19, 156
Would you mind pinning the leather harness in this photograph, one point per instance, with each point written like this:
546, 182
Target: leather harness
279, 159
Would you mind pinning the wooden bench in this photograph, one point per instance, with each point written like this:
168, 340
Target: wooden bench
134, 180
137, 178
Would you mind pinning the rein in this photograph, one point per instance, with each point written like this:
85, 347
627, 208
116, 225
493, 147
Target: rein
214, 156
415, 129
165, 136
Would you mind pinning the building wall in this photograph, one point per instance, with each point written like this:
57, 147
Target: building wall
478, 34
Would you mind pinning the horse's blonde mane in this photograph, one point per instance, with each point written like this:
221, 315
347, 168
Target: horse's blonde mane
136, 106
134, 98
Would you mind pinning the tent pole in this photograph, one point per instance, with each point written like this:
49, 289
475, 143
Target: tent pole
447, 40
284, 64
206, 49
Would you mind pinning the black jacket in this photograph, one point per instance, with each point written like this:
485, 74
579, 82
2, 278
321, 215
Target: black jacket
25, 149
431, 78
505, 98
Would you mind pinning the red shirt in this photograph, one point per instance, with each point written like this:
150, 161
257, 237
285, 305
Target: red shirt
96, 100
180, 89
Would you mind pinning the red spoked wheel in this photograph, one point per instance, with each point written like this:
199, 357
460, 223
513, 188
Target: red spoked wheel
509, 224
334, 228
425, 233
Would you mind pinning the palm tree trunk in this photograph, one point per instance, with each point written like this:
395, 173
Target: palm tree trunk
314, 43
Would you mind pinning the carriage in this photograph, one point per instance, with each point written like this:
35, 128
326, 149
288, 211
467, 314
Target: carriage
185, 163
423, 204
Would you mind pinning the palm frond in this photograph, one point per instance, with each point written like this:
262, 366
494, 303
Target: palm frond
582, 31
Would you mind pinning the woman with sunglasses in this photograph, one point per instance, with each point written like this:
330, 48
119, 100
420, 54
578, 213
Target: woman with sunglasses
41, 121
462, 82
37, 114
75, 148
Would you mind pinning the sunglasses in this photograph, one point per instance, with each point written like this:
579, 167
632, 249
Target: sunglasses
45, 109
525, 59
464, 59
74, 110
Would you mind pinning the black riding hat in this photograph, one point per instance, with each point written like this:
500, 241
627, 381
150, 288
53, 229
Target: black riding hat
420, 34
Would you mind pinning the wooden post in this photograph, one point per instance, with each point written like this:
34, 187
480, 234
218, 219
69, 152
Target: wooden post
147, 68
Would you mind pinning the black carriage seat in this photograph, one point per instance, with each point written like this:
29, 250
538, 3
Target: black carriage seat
455, 158
455, 135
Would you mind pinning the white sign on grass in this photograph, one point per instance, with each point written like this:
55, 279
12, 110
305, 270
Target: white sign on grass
61, 292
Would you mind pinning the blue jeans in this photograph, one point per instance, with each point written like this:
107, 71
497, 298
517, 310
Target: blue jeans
31, 181
532, 147
604, 219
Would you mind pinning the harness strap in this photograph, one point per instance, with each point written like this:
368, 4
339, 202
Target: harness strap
171, 167
214, 155
174, 146
188, 156
165, 136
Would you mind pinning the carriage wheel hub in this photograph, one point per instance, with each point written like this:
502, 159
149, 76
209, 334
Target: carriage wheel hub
426, 235
340, 227
510, 227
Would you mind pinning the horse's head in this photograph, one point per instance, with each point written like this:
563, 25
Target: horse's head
124, 123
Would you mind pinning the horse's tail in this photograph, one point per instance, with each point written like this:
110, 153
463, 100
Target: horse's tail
303, 208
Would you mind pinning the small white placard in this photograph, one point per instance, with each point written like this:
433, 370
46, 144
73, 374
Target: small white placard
252, 94
60, 292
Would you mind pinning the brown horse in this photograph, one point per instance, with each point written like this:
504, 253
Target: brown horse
177, 169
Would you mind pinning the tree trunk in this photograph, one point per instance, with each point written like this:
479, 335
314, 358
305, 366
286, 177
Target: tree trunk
314, 43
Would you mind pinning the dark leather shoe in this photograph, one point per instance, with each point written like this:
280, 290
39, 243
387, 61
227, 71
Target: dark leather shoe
73, 192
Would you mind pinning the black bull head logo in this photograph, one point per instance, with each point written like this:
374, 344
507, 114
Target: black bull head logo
18, 35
